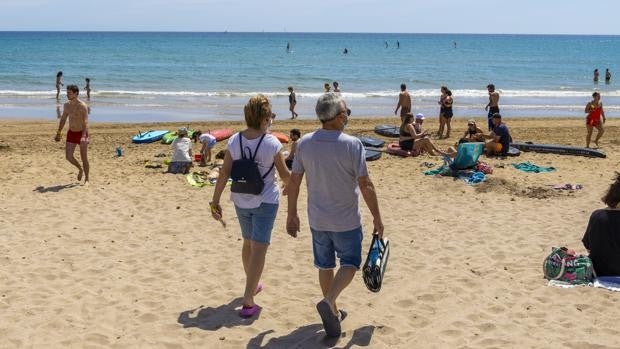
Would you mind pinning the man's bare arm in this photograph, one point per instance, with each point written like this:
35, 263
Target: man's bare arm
370, 197
61, 124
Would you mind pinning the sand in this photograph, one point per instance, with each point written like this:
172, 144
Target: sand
134, 260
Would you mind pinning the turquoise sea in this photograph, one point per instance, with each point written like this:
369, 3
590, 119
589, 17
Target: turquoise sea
208, 76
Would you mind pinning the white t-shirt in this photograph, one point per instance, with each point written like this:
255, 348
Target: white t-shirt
181, 147
268, 149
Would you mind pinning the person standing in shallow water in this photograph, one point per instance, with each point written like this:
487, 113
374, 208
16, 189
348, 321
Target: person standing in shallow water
607, 76
596, 74
77, 113
59, 84
292, 102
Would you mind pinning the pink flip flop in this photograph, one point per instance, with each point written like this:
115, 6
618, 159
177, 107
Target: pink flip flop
248, 312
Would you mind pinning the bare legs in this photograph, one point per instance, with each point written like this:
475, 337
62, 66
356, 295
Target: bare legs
425, 144
253, 256
448, 127
333, 286
599, 134
442, 123
70, 148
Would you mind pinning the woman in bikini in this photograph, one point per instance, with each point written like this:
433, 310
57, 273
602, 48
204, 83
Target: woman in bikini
595, 118
445, 112
413, 138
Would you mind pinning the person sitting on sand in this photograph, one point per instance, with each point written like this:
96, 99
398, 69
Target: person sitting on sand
208, 142
214, 173
499, 138
413, 138
595, 111
473, 133
294, 135
182, 153
602, 236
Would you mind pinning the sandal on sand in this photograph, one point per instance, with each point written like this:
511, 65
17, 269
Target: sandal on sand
331, 324
259, 288
248, 312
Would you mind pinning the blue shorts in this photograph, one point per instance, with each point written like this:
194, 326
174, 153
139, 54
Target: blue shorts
346, 245
211, 143
257, 223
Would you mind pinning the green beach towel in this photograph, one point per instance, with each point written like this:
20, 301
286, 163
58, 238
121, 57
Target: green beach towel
530, 167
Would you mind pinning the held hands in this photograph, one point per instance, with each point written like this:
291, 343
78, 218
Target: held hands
292, 224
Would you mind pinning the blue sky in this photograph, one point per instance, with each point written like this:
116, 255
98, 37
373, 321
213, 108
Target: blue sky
381, 16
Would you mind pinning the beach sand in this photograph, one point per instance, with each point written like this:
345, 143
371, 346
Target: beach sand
134, 260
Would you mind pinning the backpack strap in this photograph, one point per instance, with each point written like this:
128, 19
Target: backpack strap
252, 156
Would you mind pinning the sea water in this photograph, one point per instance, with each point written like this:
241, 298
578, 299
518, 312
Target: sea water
209, 76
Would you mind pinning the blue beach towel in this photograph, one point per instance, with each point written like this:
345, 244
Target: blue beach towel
530, 167
611, 283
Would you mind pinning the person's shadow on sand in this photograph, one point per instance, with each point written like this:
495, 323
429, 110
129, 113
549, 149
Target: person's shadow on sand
312, 336
212, 319
56, 188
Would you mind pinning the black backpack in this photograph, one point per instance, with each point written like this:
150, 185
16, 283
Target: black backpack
245, 174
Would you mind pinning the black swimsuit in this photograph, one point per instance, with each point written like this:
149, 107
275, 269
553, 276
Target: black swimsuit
407, 144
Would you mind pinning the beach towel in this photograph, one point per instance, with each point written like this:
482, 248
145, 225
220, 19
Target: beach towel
441, 170
200, 179
611, 283
472, 178
530, 167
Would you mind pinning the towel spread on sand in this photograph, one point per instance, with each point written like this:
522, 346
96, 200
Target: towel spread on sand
611, 283
530, 167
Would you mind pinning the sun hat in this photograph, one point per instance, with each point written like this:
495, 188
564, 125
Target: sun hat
419, 116
182, 131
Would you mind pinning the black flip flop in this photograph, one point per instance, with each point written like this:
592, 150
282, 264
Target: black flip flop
331, 324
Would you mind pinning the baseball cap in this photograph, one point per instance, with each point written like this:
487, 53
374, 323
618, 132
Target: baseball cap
419, 116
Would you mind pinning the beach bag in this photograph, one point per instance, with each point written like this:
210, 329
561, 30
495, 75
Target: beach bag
563, 265
376, 263
246, 178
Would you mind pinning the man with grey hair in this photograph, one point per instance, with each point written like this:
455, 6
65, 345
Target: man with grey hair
336, 170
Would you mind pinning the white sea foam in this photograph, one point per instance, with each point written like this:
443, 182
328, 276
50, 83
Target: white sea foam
420, 93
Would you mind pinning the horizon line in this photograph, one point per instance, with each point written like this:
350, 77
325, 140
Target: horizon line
288, 32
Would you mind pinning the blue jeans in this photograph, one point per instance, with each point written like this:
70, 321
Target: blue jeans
257, 223
346, 245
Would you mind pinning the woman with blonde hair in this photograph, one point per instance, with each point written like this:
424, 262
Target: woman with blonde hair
256, 212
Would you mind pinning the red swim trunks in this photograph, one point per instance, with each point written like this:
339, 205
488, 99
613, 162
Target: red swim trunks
594, 117
74, 137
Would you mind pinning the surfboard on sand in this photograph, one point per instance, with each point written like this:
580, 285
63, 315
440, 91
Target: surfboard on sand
370, 141
149, 136
387, 131
221, 134
280, 136
372, 155
558, 149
